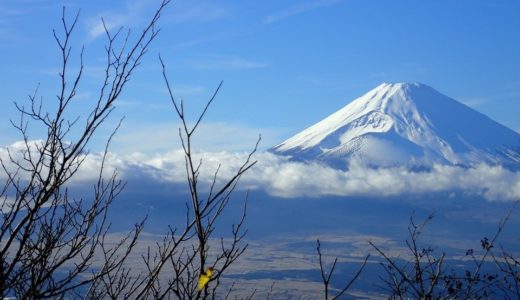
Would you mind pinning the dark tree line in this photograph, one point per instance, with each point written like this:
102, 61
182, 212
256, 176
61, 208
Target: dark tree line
490, 272
428, 274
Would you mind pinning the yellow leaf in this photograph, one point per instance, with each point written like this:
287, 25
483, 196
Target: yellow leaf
204, 278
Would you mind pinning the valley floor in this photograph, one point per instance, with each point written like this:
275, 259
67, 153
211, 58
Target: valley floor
281, 260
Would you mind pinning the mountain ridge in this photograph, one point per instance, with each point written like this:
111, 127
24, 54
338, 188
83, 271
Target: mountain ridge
405, 124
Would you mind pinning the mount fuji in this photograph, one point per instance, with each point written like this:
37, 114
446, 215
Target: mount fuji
408, 124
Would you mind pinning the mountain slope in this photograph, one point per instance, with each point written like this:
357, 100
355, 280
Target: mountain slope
405, 124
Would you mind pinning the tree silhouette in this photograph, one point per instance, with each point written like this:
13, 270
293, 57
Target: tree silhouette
49, 239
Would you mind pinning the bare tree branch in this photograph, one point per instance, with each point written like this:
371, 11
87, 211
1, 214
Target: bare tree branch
50, 241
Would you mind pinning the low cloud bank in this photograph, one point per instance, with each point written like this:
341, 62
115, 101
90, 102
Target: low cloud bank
278, 176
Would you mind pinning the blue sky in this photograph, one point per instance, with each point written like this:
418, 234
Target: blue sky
285, 64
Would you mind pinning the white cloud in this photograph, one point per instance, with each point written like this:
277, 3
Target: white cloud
298, 9
288, 179
132, 14
284, 178
278, 176
23, 153
474, 102
112, 21
211, 136
136, 11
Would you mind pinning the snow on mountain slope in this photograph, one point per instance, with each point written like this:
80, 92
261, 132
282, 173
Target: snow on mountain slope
405, 124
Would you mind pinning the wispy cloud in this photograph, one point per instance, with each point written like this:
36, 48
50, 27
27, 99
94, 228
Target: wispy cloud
10, 17
227, 63
7, 13
298, 9
474, 102
153, 138
130, 15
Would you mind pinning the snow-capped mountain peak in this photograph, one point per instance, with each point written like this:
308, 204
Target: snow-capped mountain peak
405, 123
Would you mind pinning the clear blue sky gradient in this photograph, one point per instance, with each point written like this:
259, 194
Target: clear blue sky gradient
285, 64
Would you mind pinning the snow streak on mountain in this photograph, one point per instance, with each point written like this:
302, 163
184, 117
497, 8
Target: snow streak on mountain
407, 124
